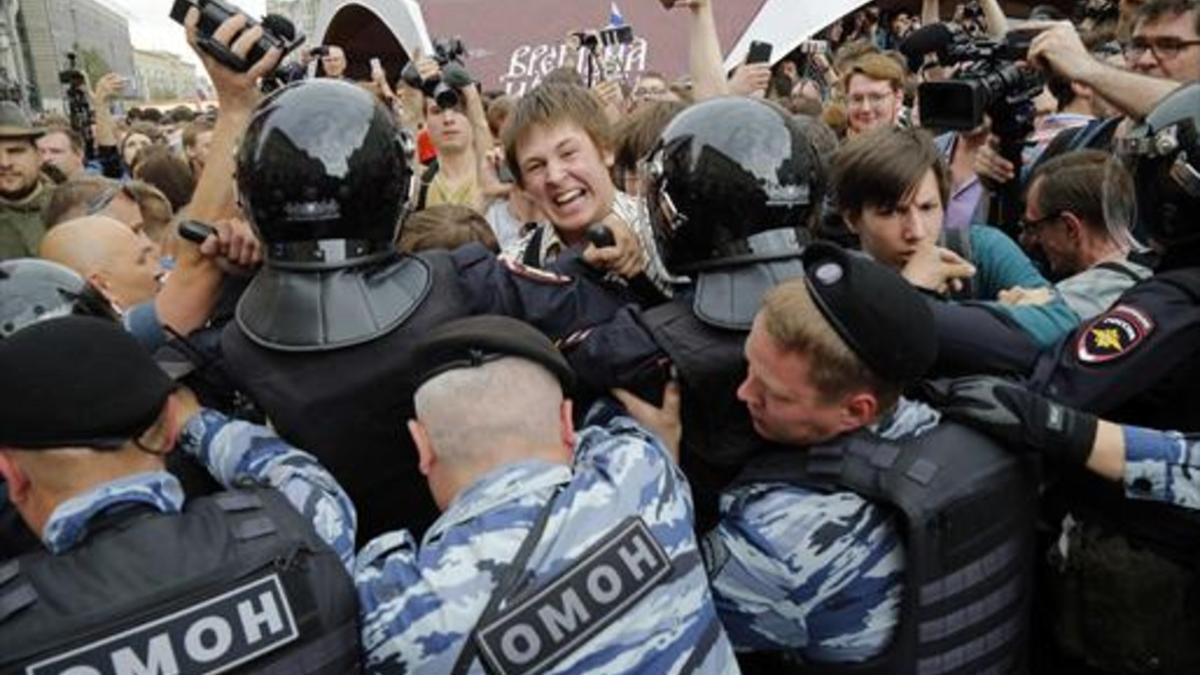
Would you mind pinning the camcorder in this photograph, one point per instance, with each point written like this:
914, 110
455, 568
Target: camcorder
444, 90
991, 81
277, 32
79, 108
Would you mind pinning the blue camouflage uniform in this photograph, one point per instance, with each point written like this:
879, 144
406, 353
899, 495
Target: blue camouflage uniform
816, 573
419, 604
237, 453
1162, 466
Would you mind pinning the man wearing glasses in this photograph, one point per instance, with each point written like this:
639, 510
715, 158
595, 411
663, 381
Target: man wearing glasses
874, 93
1166, 40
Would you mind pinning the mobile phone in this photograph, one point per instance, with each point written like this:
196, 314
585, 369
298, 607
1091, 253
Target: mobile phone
760, 52
195, 231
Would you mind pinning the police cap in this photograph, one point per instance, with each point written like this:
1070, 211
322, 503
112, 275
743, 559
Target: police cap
474, 341
879, 315
77, 381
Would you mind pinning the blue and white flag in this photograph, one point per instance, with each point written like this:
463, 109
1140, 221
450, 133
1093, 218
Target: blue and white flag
615, 17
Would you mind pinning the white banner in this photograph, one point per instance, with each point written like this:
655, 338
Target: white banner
787, 23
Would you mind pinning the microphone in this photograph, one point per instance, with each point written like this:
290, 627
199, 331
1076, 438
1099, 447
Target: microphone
934, 38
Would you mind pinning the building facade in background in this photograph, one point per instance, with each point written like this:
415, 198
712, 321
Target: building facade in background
50, 29
303, 13
163, 76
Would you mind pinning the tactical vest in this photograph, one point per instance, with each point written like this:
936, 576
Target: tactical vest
718, 436
967, 507
238, 581
348, 406
1171, 402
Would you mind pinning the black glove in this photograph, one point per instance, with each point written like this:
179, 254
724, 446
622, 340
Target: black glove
1017, 416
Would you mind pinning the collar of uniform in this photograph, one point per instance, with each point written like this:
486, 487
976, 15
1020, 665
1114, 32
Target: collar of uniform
68, 524
908, 419
509, 483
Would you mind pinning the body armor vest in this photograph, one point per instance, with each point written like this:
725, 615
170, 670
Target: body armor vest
237, 581
967, 513
718, 436
348, 406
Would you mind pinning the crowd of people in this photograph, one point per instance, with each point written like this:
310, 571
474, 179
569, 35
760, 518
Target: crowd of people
770, 370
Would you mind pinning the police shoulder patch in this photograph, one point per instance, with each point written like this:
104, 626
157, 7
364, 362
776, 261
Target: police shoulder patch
1112, 335
533, 273
542, 629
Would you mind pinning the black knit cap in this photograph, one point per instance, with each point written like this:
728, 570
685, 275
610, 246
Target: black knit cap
879, 315
77, 381
474, 341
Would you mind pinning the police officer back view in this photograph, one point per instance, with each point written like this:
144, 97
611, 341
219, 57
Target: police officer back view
558, 552
734, 184
323, 334
135, 578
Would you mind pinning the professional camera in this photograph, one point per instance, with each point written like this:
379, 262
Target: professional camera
990, 81
214, 12
448, 53
79, 108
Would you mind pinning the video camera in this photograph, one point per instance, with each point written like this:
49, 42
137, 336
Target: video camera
277, 32
990, 81
448, 53
79, 107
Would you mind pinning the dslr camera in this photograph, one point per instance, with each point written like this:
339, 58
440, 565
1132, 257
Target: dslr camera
444, 90
213, 13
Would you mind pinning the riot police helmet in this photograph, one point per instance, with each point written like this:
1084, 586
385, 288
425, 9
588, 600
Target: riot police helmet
732, 181
1163, 153
34, 290
324, 175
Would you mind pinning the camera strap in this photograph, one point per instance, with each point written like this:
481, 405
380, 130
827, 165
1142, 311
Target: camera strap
512, 574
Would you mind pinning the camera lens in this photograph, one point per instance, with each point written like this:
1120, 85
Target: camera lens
445, 96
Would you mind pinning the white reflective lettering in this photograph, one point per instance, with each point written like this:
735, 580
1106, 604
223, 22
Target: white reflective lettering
604, 584
160, 659
637, 556
520, 644
252, 621
194, 641
559, 623
80, 670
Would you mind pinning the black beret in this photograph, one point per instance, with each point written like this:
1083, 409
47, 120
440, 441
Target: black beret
471, 342
880, 316
77, 381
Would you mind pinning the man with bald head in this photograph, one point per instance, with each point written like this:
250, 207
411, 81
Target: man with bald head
123, 264
596, 527
120, 263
